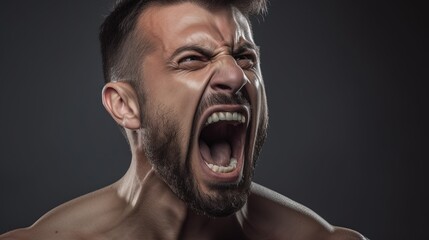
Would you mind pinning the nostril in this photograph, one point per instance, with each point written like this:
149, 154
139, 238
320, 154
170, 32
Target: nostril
222, 87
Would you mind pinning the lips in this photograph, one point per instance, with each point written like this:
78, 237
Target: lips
221, 141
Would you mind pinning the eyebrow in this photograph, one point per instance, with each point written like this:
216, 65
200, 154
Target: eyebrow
192, 47
245, 46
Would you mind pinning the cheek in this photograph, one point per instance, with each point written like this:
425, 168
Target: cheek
187, 89
179, 94
264, 104
257, 97
256, 93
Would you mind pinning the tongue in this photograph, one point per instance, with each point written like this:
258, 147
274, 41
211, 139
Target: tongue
219, 153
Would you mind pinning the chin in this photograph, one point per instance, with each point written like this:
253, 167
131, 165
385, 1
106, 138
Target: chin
222, 200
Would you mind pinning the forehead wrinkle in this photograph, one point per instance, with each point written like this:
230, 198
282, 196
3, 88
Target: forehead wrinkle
212, 31
242, 25
234, 30
221, 27
237, 28
150, 24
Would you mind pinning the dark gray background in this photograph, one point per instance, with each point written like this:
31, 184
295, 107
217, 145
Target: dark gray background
347, 96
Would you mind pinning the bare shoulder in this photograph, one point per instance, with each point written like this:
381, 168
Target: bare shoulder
19, 234
72, 220
268, 213
36, 234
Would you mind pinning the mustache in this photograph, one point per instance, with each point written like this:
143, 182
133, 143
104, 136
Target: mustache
218, 99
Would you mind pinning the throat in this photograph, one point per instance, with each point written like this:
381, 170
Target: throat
165, 214
201, 227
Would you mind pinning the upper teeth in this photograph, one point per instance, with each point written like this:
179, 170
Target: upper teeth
226, 116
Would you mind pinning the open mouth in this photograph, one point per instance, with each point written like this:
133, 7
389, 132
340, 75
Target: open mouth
222, 139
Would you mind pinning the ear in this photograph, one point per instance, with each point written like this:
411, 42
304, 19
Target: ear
121, 101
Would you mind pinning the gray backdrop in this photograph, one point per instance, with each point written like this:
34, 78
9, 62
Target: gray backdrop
348, 110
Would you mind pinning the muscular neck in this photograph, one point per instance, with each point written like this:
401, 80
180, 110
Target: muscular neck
154, 212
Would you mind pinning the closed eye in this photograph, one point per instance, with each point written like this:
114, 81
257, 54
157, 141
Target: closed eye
192, 62
192, 58
246, 61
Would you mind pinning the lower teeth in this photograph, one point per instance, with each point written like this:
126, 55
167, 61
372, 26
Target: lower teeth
221, 169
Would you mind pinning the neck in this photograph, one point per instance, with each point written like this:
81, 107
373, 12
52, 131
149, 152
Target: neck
155, 212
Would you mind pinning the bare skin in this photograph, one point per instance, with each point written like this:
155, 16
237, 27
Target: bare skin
115, 212
141, 205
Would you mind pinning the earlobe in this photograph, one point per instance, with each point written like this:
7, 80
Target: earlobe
121, 102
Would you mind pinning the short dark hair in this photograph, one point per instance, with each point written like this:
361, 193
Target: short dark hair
121, 47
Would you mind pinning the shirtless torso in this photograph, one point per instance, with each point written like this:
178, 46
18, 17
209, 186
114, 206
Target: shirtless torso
156, 213
195, 125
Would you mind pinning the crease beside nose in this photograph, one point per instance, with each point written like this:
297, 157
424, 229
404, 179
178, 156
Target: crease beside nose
228, 77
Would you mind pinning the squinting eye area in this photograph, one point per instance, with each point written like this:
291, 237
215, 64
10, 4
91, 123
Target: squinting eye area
195, 61
192, 62
246, 61
192, 58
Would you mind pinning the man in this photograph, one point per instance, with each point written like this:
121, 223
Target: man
183, 83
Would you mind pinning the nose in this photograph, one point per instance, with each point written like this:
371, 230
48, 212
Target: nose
228, 77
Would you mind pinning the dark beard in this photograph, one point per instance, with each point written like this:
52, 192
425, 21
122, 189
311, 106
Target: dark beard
162, 147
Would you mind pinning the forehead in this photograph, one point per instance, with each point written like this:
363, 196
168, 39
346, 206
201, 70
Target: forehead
172, 26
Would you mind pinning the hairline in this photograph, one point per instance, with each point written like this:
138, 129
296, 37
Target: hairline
122, 70
143, 45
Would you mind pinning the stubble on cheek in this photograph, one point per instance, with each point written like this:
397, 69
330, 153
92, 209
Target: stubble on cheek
162, 146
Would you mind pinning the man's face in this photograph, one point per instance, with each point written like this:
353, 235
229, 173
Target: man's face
204, 115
